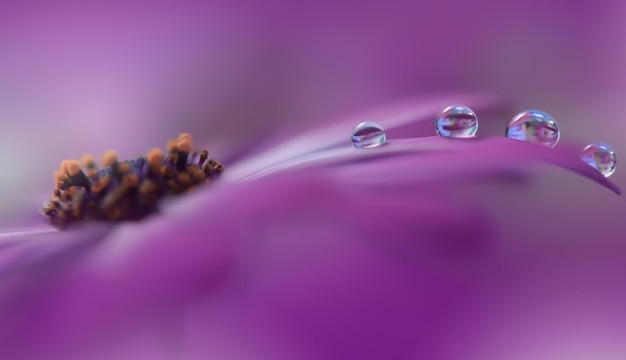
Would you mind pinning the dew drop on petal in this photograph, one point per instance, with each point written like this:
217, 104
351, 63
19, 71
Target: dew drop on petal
457, 121
600, 157
534, 126
368, 135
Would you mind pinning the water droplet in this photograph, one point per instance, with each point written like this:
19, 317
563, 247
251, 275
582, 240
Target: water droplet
457, 121
601, 157
368, 135
534, 126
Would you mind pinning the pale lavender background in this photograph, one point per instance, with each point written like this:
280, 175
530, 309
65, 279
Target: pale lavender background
78, 77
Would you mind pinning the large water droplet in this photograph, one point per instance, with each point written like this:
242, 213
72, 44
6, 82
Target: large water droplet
601, 157
457, 121
368, 135
534, 126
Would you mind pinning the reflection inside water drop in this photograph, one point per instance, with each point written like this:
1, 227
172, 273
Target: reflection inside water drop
601, 157
534, 126
457, 121
368, 135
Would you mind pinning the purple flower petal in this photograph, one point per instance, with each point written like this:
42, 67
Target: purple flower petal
147, 272
27, 248
437, 159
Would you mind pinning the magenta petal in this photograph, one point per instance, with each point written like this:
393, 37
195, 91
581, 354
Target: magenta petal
437, 159
325, 233
476, 158
347, 275
306, 263
39, 247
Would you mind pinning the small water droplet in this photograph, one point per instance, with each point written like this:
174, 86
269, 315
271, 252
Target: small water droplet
600, 157
457, 121
368, 135
534, 126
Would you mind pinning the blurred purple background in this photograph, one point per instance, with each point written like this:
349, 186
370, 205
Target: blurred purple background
81, 78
